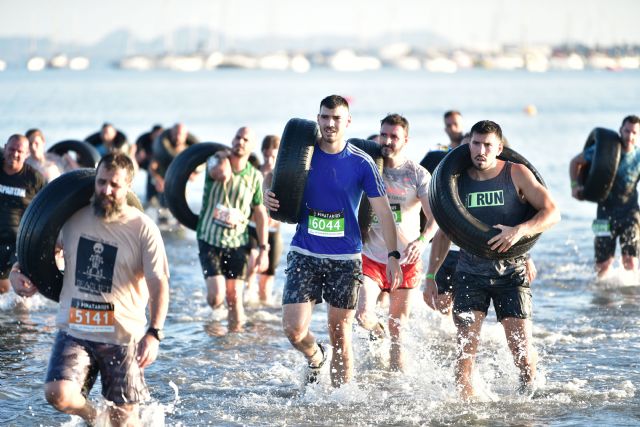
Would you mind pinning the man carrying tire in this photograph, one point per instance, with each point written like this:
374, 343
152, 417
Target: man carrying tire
407, 186
115, 265
495, 192
19, 184
109, 140
324, 260
143, 156
165, 148
618, 216
232, 194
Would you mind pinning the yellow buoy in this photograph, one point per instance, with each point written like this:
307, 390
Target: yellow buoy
531, 110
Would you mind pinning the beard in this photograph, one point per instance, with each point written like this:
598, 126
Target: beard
237, 151
105, 207
481, 165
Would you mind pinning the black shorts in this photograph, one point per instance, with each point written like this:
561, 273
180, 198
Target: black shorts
444, 276
7, 258
310, 279
275, 248
511, 295
626, 229
228, 262
80, 361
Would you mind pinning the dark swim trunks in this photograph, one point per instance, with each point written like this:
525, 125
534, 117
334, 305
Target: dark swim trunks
310, 279
627, 229
7, 258
511, 295
80, 361
444, 276
228, 262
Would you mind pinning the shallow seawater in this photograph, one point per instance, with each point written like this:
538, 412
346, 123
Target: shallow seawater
587, 333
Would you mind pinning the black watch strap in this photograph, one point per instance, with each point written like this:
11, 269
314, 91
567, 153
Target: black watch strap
156, 333
394, 254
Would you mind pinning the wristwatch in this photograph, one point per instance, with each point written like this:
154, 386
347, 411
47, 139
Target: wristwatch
394, 254
264, 247
156, 333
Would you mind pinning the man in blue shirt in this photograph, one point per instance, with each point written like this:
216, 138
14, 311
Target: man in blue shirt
324, 260
618, 216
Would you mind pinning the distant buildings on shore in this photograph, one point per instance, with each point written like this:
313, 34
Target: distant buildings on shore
398, 55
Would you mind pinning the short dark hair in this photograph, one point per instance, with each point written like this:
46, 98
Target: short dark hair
270, 141
450, 113
334, 101
484, 127
373, 137
16, 136
395, 119
32, 132
116, 160
156, 128
633, 119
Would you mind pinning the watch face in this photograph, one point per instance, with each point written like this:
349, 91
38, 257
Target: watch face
160, 335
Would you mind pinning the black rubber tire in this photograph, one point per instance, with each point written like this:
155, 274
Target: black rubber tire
432, 159
86, 154
42, 221
292, 168
598, 178
365, 211
178, 174
455, 220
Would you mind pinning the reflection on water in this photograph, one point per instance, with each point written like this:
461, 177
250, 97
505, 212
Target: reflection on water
587, 334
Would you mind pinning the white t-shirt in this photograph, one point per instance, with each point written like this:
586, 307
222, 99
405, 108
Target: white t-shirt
405, 185
104, 293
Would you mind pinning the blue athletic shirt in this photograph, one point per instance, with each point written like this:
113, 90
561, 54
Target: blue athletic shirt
331, 196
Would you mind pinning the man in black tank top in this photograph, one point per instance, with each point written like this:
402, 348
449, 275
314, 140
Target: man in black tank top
495, 192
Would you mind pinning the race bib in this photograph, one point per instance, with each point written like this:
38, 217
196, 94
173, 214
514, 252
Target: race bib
326, 224
395, 210
601, 228
90, 316
227, 217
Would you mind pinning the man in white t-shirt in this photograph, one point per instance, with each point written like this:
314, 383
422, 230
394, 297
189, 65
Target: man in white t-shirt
115, 265
407, 185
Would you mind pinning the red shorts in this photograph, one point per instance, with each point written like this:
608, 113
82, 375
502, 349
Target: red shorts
377, 271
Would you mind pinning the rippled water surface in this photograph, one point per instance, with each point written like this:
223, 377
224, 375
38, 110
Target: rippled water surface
587, 333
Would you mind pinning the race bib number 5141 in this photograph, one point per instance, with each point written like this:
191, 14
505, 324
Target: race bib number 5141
90, 316
326, 224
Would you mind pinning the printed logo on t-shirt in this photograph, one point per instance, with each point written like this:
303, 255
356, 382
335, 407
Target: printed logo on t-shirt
485, 198
13, 191
94, 266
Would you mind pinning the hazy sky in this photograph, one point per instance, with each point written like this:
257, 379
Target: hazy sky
464, 22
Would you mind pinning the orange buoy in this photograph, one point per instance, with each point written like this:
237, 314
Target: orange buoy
531, 110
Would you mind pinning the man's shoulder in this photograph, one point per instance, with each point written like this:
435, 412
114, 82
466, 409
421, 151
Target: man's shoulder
28, 177
133, 214
33, 174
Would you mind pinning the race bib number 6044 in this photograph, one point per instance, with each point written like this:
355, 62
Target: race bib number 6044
326, 224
